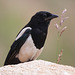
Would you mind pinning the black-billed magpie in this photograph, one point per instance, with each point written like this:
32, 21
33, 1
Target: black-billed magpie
29, 42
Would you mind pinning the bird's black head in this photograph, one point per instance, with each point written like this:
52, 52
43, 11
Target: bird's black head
44, 16
42, 19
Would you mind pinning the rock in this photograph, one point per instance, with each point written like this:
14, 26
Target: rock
37, 67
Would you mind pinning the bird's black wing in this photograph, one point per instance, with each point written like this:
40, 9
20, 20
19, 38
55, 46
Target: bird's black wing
16, 47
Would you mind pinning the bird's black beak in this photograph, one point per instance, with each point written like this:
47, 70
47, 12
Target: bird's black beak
51, 17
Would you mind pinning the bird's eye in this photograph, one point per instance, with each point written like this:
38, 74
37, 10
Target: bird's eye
44, 15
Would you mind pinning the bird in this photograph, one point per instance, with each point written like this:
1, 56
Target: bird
30, 41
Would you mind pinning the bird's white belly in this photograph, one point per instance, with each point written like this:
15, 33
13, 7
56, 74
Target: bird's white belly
28, 51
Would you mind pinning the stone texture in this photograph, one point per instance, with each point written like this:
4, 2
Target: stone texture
37, 67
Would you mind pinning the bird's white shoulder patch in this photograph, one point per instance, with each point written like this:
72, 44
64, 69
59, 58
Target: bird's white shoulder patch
21, 33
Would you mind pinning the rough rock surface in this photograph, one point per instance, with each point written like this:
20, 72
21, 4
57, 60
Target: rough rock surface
37, 67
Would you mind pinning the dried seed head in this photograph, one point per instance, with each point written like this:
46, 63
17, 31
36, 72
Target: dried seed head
63, 29
56, 25
66, 18
64, 11
59, 57
59, 26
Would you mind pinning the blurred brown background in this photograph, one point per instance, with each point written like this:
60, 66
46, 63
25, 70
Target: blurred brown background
14, 14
